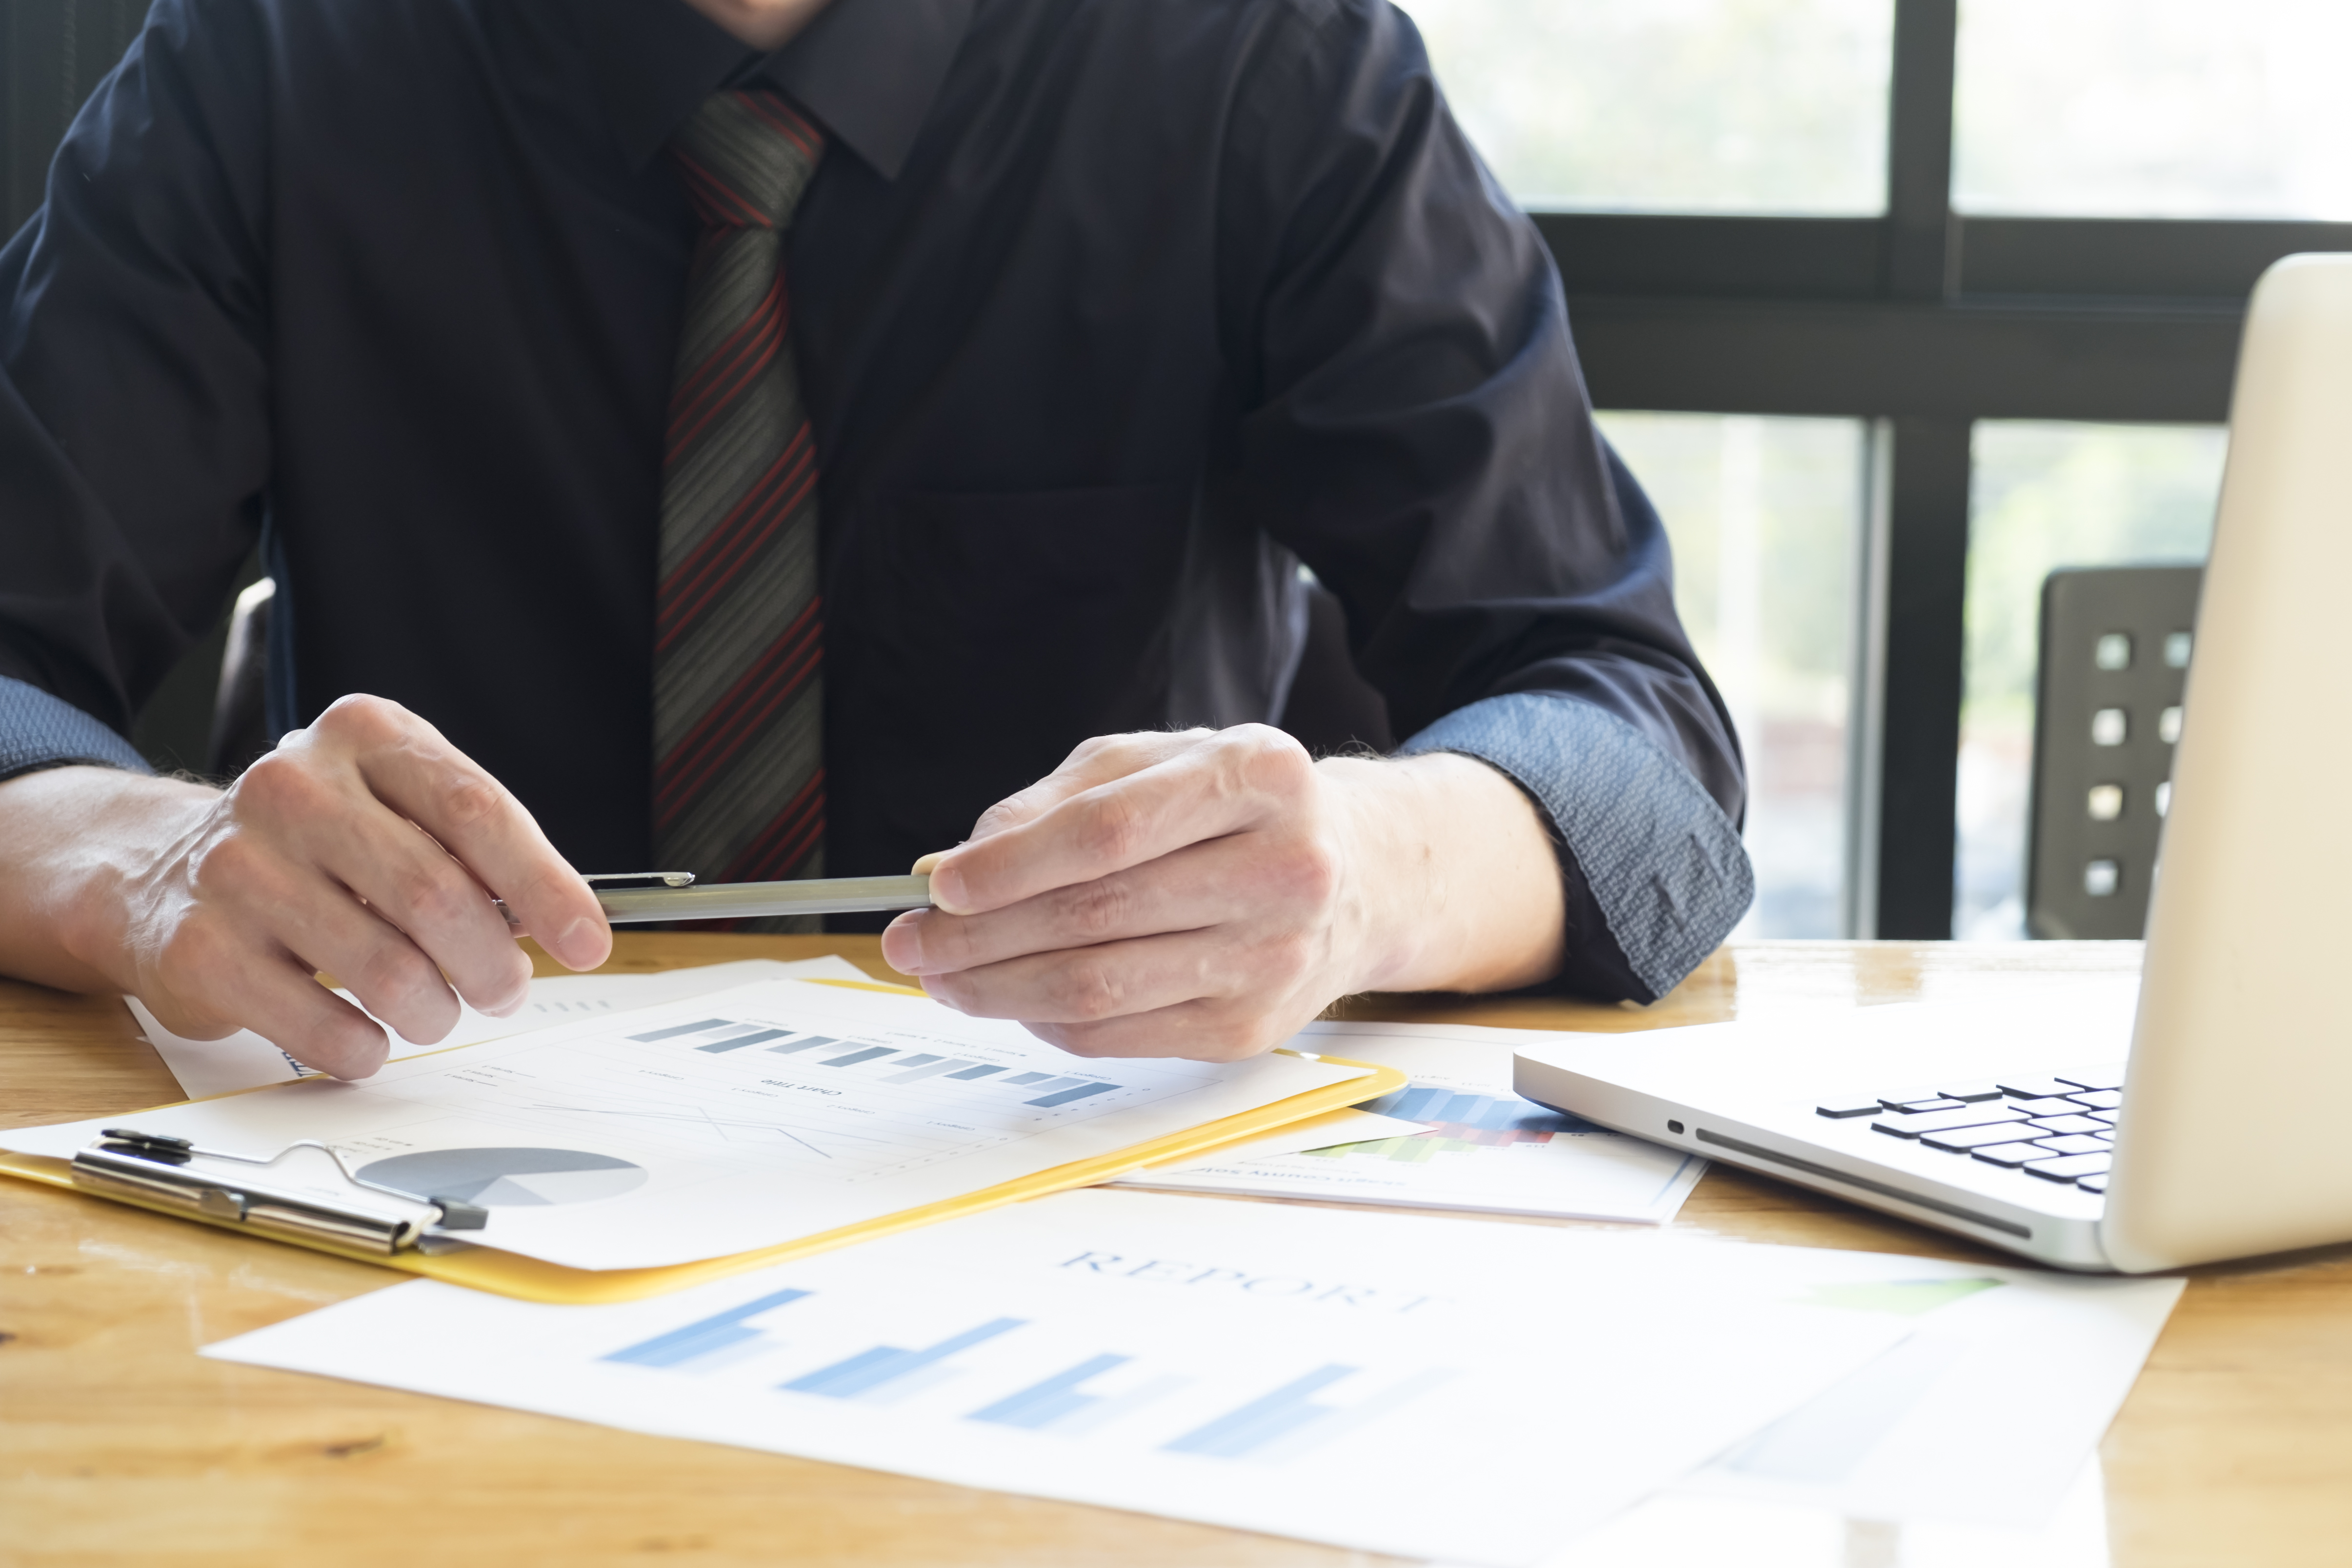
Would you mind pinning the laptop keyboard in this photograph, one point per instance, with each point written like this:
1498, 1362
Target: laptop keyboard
2061, 1128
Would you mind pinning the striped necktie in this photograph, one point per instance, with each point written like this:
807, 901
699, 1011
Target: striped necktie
739, 709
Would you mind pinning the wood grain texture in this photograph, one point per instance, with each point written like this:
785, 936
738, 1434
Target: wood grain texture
118, 1443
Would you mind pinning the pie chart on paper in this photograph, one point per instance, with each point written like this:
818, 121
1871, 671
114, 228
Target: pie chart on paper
507, 1178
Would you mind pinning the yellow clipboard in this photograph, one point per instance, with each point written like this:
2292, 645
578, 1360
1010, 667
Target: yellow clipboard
533, 1279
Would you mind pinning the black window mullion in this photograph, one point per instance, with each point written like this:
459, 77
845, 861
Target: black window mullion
1919, 250
1918, 725
1921, 664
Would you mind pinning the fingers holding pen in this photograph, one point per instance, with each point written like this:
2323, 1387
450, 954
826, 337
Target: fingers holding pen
1132, 799
1200, 886
368, 847
495, 846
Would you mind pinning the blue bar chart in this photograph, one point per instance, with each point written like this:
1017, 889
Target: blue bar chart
1060, 1404
1485, 1147
1478, 1119
719, 1037
706, 1340
1279, 1424
1288, 1422
876, 1374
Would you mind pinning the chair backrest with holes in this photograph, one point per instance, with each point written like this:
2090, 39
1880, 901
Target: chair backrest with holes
2116, 643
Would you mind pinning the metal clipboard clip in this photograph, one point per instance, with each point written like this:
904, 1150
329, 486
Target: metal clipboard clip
304, 1191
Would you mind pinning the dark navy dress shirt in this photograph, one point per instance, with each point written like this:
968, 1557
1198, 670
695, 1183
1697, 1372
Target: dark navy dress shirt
1108, 315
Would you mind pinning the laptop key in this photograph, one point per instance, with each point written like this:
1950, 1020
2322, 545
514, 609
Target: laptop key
1844, 1108
2093, 1078
1944, 1120
2077, 1144
2109, 1117
2049, 1105
2012, 1155
1915, 1106
2071, 1168
2067, 1124
2037, 1088
2092, 1184
1974, 1093
1960, 1139
1918, 1094
2098, 1099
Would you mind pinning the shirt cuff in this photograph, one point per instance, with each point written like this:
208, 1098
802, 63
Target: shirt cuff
1663, 863
39, 730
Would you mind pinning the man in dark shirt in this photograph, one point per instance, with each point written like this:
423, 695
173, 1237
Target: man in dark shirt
1105, 315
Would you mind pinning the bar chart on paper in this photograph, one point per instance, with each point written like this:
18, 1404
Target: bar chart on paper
1463, 1124
820, 1092
1429, 1388
1488, 1149
889, 1065
1210, 1411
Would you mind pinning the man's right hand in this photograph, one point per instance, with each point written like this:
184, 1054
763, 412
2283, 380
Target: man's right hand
366, 845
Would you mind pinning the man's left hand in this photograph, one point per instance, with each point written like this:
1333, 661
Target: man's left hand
1205, 894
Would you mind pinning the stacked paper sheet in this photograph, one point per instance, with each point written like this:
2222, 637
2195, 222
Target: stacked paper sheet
1470, 1391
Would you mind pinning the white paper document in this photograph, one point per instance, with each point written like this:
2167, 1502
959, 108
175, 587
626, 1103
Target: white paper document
712, 1126
246, 1060
1934, 1429
1330, 1129
1390, 1383
1486, 1149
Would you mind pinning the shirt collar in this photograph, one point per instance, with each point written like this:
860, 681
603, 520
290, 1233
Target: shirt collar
868, 69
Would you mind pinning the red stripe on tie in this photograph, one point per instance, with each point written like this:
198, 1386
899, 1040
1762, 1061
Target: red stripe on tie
777, 675
766, 316
720, 399
772, 111
716, 559
778, 670
787, 839
680, 789
758, 352
715, 201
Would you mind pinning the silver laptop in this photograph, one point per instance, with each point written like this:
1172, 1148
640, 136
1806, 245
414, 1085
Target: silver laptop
2202, 1118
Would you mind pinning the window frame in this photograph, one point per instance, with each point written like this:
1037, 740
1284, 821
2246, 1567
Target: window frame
1923, 321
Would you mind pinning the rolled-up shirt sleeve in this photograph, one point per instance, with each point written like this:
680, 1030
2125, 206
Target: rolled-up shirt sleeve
1418, 432
1656, 870
37, 730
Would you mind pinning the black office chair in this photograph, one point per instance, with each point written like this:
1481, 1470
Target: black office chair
2116, 643
1330, 707
240, 727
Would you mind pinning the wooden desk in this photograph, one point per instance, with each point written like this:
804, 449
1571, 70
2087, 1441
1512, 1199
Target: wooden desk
116, 1442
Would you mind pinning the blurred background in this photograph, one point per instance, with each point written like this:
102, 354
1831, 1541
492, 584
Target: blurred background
1895, 306
2213, 118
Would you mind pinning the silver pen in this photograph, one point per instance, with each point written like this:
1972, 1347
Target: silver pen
631, 897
